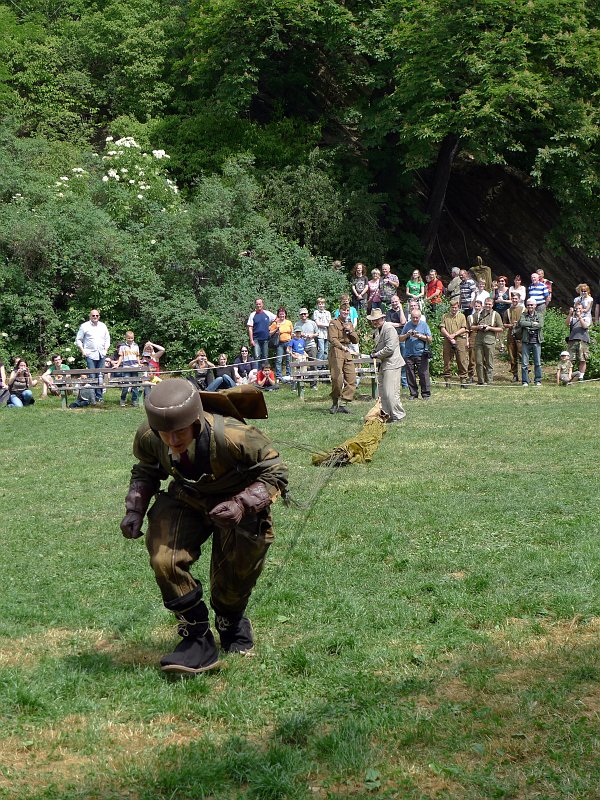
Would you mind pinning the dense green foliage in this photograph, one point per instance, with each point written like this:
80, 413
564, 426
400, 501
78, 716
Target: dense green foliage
294, 129
112, 231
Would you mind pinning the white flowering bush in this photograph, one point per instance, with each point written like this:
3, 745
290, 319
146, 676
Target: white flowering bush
131, 184
134, 183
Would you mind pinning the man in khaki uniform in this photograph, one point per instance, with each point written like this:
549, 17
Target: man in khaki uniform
487, 325
341, 335
511, 316
472, 326
225, 476
453, 328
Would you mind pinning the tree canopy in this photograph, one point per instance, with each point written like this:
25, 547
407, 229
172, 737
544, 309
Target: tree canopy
295, 132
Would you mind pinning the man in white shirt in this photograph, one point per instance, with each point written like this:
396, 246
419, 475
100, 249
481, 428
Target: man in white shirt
93, 340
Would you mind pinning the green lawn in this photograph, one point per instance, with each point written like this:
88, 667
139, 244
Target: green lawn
427, 626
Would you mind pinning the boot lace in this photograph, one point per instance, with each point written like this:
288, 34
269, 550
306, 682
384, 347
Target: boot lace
187, 628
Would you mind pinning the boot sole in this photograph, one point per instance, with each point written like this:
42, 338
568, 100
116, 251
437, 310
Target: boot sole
178, 669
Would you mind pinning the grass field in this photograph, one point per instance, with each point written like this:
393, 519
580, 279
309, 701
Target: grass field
428, 624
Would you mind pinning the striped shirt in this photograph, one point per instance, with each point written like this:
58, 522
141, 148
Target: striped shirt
130, 354
538, 292
467, 292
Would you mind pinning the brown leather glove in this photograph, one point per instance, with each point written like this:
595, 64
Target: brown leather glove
250, 500
136, 505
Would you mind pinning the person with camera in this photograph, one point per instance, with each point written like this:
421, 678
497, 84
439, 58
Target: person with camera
530, 328
418, 338
579, 338
341, 335
19, 385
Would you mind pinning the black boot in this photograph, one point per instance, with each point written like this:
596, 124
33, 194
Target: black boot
235, 632
197, 651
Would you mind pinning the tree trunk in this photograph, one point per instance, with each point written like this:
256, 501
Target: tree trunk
437, 193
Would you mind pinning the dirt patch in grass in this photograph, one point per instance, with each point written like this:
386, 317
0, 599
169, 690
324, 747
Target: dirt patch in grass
26, 652
60, 642
511, 692
48, 758
553, 636
41, 759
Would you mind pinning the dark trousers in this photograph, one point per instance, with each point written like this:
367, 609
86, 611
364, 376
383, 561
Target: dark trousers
175, 535
420, 365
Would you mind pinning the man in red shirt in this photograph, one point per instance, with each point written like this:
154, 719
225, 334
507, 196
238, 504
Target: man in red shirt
434, 289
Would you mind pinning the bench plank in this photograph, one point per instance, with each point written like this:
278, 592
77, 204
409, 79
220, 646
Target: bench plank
317, 371
70, 380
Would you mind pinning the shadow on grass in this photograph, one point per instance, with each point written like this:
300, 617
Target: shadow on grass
514, 716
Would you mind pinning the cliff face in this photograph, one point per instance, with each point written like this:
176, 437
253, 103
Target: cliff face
493, 213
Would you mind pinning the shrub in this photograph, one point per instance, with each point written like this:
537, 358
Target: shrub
434, 314
555, 331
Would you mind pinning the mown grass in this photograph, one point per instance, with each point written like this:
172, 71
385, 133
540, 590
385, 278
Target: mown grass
427, 624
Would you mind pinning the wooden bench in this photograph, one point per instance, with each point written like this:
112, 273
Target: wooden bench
69, 381
316, 371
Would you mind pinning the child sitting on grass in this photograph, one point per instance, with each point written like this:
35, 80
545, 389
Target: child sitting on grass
265, 379
564, 369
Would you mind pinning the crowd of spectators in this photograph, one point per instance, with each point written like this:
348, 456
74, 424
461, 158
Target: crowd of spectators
481, 310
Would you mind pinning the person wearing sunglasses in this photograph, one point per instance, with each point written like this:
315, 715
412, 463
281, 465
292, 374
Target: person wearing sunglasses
93, 341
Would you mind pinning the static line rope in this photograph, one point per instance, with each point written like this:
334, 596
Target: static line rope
322, 479
511, 385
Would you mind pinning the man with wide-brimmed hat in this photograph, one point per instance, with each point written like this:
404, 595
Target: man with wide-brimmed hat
225, 476
387, 351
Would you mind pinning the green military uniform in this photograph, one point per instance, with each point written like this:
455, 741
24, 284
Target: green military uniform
341, 366
179, 524
472, 320
225, 475
511, 317
485, 344
452, 324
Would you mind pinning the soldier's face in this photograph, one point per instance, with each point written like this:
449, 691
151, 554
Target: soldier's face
179, 440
